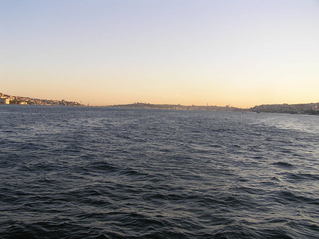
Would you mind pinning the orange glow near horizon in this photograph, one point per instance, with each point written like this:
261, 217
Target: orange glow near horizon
118, 91
238, 53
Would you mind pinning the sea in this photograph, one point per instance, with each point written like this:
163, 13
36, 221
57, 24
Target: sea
94, 172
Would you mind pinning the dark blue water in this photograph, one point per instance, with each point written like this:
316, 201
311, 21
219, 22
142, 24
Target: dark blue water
110, 173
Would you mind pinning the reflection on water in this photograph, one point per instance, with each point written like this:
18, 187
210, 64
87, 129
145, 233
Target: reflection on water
304, 123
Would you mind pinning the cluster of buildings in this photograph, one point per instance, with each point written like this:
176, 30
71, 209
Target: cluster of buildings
17, 100
7, 99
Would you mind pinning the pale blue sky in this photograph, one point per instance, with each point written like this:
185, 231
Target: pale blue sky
238, 52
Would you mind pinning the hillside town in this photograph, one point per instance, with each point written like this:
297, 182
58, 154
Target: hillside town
18, 100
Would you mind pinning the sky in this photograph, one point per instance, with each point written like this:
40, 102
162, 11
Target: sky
193, 52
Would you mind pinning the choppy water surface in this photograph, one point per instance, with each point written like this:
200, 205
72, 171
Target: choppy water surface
110, 173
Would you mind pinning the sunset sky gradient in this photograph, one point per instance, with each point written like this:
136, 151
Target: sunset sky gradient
102, 52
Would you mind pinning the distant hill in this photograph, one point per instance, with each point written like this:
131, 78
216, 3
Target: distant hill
176, 107
311, 108
19, 100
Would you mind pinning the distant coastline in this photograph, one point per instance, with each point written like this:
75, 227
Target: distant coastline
19, 100
310, 108
176, 107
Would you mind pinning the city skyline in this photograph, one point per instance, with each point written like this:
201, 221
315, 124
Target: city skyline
239, 53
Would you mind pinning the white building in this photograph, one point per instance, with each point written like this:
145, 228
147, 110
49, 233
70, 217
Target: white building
5, 101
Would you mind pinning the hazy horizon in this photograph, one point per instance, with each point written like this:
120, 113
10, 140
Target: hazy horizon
238, 53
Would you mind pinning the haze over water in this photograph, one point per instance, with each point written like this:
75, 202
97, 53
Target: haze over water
115, 173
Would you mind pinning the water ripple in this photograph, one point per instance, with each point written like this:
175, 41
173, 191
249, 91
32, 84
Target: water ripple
109, 173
